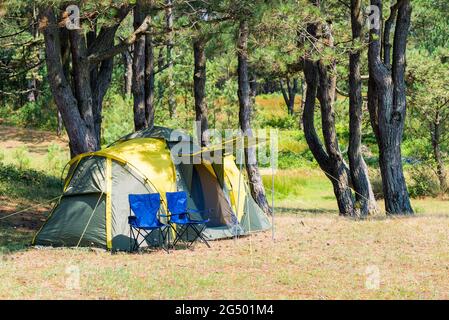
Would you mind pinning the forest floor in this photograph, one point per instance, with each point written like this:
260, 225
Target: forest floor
315, 253
313, 256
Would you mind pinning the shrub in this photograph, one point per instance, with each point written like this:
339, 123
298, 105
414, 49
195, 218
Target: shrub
40, 114
117, 118
21, 155
424, 182
29, 184
55, 158
287, 122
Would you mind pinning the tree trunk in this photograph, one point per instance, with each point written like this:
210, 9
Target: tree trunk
436, 146
303, 101
32, 90
81, 77
289, 93
81, 134
199, 87
149, 81
322, 86
255, 181
138, 86
143, 72
359, 171
339, 171
253, 86
128, 76
391, 109
79, 91
169, 28
32, 83
100, 88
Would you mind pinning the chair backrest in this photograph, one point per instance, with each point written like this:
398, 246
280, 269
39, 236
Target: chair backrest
177, 202
145, 208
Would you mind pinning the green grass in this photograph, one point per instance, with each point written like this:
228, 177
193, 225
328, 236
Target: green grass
300, 183
301, 190
29, 185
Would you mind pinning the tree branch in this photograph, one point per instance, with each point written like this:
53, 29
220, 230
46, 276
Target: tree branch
123, 46
18, 32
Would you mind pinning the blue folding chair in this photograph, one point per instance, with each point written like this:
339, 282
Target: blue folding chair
179, 215
145, 219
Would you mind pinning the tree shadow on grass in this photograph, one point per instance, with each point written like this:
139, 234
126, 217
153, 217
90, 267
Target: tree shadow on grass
12, 240
27, 185
17, 232
22, 189
305, 211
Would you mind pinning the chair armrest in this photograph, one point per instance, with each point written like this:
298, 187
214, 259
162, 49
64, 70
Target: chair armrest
131, 219
199, 211
206, 211
171, 214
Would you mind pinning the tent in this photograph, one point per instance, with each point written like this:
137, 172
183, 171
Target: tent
93, 209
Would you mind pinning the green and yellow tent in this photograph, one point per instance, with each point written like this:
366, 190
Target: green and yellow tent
93, 209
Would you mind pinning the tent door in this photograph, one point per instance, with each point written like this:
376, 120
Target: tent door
207, 191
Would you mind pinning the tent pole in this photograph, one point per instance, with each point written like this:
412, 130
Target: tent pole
239, 189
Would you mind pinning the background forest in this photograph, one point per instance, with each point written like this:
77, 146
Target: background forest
27, 101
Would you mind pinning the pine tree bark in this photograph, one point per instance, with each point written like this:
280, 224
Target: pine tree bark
289, 93
436, 147
390, 109
359, 172
255, 180
303, 101
32, 83
138, 86
253, 86
79, 88
143, 71
149, 81
199, 87
169, 29
321, 84
80, 127
127, 77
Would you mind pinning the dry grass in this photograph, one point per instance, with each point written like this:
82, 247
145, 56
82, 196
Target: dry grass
316, 255
313, 257
36, 143
274, 105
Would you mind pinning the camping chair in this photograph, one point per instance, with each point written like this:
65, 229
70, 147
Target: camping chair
179, 214
145, 220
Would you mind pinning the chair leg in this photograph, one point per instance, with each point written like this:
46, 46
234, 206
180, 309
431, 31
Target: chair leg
130, 239
199, 235
135, 234
134, 238
179, 236
145, 236
164, 238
